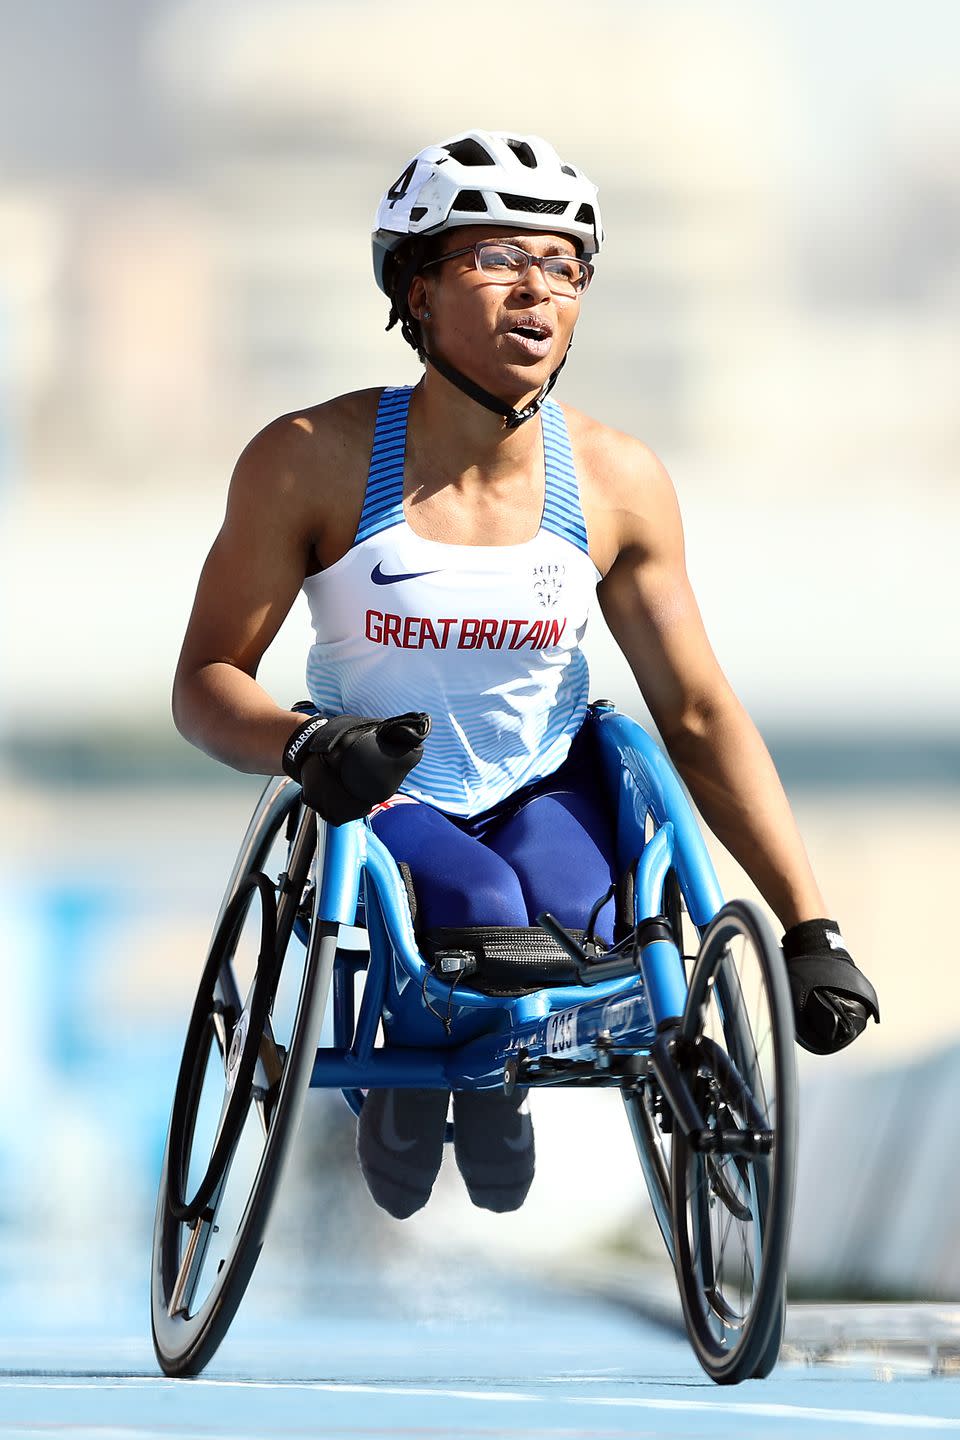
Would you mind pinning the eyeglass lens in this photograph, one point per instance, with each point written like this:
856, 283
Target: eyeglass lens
563, 273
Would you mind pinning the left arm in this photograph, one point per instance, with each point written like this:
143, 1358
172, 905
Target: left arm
647, 601
650, 608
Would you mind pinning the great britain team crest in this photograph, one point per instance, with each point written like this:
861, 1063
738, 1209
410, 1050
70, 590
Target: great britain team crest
548, 582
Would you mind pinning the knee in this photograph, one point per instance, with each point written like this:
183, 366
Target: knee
484, 893
456, 879
491, 899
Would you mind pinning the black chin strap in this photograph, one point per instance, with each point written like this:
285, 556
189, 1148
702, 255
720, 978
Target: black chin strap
511, 418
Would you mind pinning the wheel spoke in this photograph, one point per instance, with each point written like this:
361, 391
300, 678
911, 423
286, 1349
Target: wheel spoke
653, 1153
269, 1071
189, 1272
226, 1004
219, 1020
224, 1111
191, 1265
724, 1226
747, 1277
705, 1258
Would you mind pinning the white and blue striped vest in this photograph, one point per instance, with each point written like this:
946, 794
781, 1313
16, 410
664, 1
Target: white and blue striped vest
485, 638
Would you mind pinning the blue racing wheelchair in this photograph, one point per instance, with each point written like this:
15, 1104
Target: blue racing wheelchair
688, 1014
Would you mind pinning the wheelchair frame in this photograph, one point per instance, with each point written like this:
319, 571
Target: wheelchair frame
628, 1023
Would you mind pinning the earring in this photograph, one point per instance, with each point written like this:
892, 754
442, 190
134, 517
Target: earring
426, 315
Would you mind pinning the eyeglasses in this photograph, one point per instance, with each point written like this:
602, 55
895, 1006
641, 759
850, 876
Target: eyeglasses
506, 264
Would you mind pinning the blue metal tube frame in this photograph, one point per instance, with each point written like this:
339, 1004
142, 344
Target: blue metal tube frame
481, 1032
660, 961
344, 1016
371, 1005
640, 773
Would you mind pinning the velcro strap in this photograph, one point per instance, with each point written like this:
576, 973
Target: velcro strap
297, 747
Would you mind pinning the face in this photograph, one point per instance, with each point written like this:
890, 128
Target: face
508, 337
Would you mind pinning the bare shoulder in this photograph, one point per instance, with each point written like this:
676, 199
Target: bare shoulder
311, 464
627, 496
298, 447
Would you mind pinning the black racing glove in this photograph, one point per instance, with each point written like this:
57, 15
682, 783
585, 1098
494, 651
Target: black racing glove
347, 764
832, 1000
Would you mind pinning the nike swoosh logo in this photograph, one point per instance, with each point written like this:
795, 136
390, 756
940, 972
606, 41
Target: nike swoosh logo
388, 1130
378, 577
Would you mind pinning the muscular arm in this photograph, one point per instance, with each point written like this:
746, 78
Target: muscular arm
248, 584
649, 606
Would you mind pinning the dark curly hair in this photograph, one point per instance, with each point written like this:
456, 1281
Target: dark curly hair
399, 269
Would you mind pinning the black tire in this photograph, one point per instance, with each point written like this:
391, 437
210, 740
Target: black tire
732, 1209
216, 1193
771, 1353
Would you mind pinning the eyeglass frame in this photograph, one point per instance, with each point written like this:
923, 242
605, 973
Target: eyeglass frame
587, 270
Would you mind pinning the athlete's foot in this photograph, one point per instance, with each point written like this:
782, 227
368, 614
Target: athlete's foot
400, 1146
493, 1144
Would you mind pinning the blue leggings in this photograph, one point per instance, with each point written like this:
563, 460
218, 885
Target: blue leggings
549, 847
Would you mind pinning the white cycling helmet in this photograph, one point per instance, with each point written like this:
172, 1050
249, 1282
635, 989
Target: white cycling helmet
487, 175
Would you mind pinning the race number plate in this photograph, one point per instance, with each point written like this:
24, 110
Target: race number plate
562, 1032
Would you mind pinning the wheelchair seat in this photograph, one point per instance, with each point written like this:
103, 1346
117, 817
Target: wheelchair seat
507, 961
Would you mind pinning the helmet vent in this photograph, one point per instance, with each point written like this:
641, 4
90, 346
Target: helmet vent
469, 152
523, 153
470, 200
569, 170
585, 216
418, 212
534, 207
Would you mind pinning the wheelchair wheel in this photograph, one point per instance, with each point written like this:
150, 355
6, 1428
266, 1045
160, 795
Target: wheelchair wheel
245, 1070
732, 1193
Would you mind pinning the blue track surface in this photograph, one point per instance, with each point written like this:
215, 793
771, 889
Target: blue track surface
474, 1357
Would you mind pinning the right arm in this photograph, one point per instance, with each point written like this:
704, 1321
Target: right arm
248, 584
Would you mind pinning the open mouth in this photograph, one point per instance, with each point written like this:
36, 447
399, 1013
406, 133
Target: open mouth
533, 338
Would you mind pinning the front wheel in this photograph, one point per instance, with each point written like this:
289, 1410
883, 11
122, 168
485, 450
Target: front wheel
732, 1185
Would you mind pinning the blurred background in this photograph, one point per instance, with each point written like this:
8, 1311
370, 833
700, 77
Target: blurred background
186, 192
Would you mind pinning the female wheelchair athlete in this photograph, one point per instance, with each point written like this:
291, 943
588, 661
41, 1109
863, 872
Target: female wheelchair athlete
700, 1046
